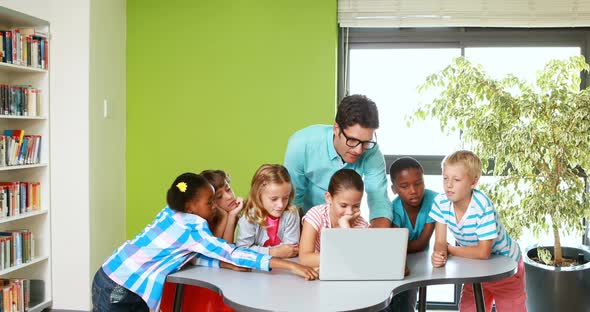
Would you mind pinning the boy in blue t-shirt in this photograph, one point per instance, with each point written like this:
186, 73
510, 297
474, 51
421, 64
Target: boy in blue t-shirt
411, 210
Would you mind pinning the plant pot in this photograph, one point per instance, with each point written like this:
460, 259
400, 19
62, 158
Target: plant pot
552, 288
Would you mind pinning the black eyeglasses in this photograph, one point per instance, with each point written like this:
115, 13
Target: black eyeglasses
353, 142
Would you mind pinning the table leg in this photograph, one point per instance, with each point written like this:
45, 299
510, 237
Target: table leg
422, 299
479, 302
178, 297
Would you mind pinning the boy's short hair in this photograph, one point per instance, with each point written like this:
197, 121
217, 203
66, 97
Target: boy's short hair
401, 164
357, 109
467, 159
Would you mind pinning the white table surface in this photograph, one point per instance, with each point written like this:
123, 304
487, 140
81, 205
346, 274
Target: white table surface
280, 290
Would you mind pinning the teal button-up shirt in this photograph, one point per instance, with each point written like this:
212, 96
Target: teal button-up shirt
312, 160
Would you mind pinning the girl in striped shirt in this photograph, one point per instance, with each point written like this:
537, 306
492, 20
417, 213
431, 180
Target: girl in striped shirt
341, 210
132, 278
469, 214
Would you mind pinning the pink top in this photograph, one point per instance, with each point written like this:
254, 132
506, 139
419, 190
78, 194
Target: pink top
271, 230
319, 218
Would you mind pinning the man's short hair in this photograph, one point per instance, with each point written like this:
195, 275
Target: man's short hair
357, 109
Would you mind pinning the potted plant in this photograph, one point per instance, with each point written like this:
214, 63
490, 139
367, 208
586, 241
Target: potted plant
536, 140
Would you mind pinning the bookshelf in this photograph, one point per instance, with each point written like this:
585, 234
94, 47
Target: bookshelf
36, 169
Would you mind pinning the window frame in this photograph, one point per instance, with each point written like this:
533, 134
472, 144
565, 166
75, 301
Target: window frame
456, 37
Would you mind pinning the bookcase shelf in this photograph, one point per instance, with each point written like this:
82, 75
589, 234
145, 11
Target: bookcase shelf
7, 67
24, 265
23, 117
26, 40
6, 168
23, 216
41, 306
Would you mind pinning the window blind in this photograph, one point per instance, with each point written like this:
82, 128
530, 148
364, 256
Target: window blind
464, 13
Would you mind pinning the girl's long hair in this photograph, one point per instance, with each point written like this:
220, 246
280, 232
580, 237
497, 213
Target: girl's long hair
265, 175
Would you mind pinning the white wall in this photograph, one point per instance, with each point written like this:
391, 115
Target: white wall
69, 87
87, 64
107, 134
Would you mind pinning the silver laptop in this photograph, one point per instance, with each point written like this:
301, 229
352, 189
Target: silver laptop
363, 254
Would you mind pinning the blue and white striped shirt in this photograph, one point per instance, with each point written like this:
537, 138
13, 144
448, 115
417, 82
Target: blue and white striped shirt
172, 239
480, 222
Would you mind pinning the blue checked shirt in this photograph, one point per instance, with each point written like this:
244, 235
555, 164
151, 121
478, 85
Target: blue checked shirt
312, 160
172, 239
480, 222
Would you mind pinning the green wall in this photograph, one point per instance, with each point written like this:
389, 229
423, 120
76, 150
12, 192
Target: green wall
220, 85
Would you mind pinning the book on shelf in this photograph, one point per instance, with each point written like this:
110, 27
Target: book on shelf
17, 198
19, 149
20, 100
27, 46
19, 294
16, 248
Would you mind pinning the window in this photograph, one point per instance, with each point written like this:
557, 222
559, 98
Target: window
390, 77
388, 65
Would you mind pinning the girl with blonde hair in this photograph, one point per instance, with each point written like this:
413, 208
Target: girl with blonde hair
270, 223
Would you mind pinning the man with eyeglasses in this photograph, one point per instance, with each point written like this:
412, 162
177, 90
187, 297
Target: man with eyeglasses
315, 153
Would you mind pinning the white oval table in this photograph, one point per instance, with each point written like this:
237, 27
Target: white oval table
280, 290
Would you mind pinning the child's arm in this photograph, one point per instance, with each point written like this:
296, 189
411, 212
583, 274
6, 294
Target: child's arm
232, 219
439, 255
219, 223
307, 254
247, 236
302, 270
214, 252
292, 228
421, 243
483, 250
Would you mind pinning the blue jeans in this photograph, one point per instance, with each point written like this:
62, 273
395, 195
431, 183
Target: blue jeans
403, 302
110, 296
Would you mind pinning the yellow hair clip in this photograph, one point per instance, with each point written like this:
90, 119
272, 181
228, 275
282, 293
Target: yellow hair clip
181, 186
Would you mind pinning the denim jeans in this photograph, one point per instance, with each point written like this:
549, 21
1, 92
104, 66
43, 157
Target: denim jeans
403, 302
110, 296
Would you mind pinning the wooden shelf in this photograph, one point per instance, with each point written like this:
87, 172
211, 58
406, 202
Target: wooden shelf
24, 265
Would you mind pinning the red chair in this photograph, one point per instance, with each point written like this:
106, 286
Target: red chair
194, 299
